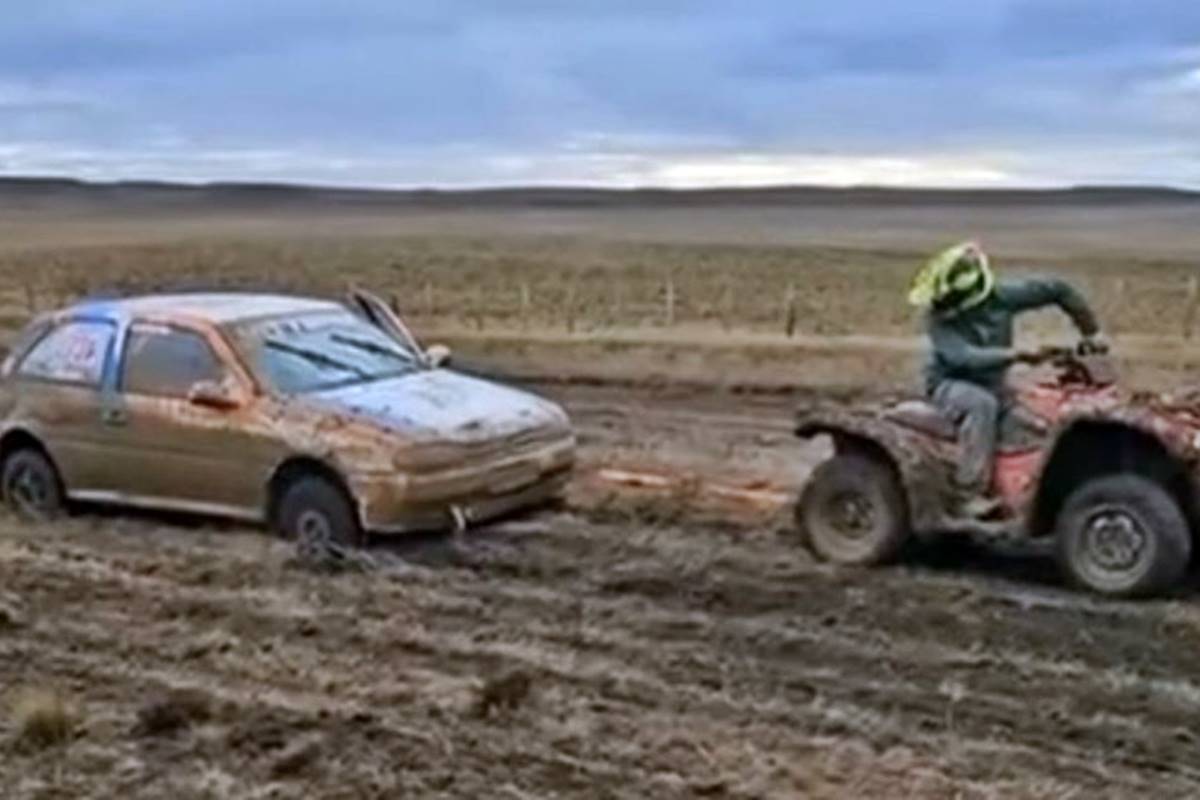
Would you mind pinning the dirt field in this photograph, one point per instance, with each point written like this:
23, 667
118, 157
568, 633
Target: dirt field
640, 642
616, 649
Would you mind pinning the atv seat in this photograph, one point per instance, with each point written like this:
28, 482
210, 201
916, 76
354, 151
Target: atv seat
923, 417
1019, 430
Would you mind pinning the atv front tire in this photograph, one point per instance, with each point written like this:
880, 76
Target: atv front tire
1123, 535
853, 511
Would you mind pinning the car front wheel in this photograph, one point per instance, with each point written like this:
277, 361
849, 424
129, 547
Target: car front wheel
315, 513
31, 485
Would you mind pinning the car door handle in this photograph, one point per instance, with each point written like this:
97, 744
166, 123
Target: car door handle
114, 416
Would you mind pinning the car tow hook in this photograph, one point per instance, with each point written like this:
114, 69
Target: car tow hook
460, 518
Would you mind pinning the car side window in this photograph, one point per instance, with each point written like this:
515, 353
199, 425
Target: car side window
74, 352
167, 362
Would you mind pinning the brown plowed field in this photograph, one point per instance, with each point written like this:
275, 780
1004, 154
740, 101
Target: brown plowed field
635, 647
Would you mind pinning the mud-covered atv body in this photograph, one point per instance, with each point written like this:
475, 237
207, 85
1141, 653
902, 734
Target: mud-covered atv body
1113, 476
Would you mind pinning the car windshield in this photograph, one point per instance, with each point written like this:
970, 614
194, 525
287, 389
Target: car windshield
310, 352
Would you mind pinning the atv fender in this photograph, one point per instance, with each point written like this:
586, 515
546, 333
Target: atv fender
923, 475
1136, 437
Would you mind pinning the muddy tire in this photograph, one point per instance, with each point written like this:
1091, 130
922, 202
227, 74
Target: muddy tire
316, 514
31, 485
1123, 535
853, 511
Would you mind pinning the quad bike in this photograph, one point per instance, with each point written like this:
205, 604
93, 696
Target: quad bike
1114, 477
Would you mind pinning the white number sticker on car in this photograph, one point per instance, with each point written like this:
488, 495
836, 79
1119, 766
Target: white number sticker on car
75, 353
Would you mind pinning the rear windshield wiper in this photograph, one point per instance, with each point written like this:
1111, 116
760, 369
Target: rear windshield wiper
315, 357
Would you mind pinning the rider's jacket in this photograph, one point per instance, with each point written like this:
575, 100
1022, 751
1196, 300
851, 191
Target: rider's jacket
975, 345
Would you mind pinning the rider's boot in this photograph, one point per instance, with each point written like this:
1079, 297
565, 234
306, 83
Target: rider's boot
981, 508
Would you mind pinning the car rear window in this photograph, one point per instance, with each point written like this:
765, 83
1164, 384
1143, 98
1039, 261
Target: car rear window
74, 352
167, 362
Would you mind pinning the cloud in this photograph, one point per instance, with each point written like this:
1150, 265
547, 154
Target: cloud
605, 91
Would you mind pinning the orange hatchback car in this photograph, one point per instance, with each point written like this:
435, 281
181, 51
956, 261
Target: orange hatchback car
326, 421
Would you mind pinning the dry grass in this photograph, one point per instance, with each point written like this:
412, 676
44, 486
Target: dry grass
504, 692
172, 712
11, 615
592, 284
522, 283
730, 267
42, 718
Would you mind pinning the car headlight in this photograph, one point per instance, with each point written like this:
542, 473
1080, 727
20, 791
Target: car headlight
427, 456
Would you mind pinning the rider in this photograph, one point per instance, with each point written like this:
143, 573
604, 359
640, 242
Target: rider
969, 316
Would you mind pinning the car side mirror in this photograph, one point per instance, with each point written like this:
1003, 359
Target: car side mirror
437, 355
211, 394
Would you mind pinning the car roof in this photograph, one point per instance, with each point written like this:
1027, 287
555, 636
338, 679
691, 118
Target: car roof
217, 308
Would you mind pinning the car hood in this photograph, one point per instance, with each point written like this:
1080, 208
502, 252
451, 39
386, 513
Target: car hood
444, 405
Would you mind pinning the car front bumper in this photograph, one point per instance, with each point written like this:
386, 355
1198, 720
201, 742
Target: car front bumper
465, 494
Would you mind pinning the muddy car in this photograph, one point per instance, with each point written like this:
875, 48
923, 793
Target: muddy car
326, 421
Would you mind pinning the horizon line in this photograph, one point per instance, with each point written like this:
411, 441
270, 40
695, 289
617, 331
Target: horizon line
299, 185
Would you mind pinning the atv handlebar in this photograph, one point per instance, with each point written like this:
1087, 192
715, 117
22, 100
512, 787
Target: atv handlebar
1086, 363
1061, 356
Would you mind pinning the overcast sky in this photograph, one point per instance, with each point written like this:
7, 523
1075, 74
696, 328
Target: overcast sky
607, 92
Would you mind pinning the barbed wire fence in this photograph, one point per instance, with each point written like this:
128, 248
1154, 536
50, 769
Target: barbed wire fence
1174, 307
575, 305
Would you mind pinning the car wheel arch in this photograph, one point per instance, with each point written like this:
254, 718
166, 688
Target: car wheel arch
15, 439
296, 468
1089, 449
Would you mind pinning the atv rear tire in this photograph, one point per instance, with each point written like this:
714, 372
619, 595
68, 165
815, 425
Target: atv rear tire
853, 511
1123, 535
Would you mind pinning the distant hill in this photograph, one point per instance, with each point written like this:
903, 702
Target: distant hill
34, 193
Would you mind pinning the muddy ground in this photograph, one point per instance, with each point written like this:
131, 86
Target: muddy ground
619, 647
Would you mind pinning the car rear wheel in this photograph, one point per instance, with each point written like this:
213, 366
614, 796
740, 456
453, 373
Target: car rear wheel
853, 511
31, 485
1123, 535
315, 513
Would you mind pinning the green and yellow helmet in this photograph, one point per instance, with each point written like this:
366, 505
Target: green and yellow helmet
954, 280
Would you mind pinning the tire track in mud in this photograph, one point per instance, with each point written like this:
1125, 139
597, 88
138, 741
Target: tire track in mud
653, 417
633, 636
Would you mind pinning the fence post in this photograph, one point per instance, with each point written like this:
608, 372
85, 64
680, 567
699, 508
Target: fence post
789, 311
1193, 301
30, 297
480, 308
725, 306
669, 301
1114, 307
616, 307
428, 292
570, 307
526, 305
